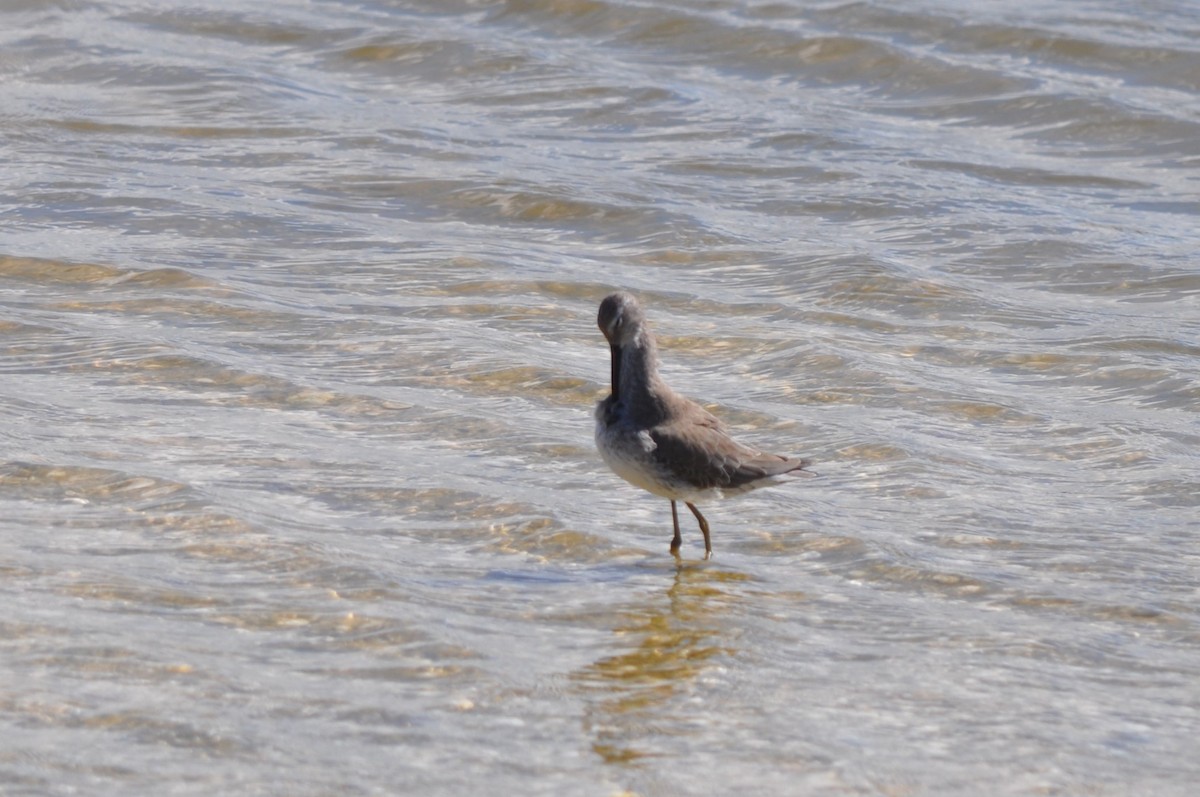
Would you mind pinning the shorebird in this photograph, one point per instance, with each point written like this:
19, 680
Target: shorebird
656, 439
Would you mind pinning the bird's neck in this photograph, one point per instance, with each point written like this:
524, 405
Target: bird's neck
638, 386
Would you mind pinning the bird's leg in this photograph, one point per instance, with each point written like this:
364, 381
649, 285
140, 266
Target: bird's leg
677, 540
703, 527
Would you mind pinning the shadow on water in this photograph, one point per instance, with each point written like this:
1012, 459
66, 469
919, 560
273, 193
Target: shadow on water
665, 646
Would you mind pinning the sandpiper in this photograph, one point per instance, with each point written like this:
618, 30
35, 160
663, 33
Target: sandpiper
658, 440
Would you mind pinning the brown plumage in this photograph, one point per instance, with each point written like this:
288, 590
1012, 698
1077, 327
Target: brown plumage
660, 441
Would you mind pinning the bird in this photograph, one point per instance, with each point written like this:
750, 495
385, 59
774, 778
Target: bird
662, 442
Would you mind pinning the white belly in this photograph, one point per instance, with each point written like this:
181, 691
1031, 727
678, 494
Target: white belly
630, 455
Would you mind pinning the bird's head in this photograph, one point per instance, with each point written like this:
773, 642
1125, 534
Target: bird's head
621, 318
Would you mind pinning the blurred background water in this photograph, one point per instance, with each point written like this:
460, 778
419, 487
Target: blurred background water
298, 493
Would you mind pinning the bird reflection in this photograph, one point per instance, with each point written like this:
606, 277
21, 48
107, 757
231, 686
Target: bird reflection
665, 645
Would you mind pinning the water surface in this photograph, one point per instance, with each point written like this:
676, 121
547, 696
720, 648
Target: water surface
298, 492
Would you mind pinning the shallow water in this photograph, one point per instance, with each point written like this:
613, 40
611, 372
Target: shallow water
298, 353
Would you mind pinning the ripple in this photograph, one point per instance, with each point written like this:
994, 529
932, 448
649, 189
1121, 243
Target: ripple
87, 484
58, 273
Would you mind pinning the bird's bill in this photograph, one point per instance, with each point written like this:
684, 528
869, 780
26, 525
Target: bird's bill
616, 367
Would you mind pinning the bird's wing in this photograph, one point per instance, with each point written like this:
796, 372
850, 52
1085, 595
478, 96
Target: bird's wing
698, 449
